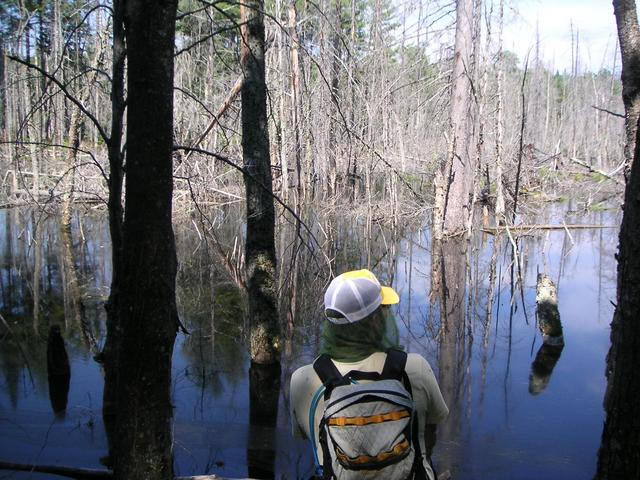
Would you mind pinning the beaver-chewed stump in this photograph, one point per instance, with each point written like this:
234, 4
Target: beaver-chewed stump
547, 312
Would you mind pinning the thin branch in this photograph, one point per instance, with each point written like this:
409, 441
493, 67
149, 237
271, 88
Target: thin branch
206, 37
251, 178
233, 93
66, 93
595, 170
615, 114
57, 145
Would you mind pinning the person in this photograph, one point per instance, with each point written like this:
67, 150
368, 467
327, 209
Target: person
359, 329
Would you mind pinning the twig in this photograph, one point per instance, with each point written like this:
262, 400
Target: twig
516, 262
233, 93
595, 170
615, 114
523, 122
229, 162
66, 93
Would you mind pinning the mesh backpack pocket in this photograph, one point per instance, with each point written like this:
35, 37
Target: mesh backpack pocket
367, 429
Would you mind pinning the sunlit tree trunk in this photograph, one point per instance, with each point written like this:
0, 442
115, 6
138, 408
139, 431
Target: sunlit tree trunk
334, 69
147, 307
295, 94
499, 124
456, 176
260, 253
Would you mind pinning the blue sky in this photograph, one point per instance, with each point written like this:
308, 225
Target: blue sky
592, 19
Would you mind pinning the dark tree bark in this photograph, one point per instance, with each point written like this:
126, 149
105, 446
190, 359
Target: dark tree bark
260, 254
619, 455
114, 145
629, 37
147, 309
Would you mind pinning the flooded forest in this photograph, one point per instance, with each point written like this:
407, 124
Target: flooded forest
182, 180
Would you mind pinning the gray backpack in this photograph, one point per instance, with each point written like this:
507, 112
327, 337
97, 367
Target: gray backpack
368, 430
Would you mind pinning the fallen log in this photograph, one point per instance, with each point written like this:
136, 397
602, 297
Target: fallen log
530, 227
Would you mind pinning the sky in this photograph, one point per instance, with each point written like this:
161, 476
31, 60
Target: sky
593, 20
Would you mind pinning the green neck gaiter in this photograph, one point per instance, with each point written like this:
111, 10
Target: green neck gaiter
356, 341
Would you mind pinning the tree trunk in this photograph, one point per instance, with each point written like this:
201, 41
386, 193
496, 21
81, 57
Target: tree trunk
147, 309
3, 87
260, 253
619, 455
334, 59
459, 174
499, 125
114, 328
295, 95
629, 36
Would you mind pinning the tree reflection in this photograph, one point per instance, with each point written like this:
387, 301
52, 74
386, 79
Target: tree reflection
264, 391
449, 274
58, 371
542, 367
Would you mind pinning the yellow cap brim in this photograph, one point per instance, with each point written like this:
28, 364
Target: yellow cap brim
389, 296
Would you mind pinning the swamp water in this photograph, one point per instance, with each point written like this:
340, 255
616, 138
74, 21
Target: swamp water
516, 411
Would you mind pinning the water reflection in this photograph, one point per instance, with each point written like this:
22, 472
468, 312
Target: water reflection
264, 391
550, 326
58, 371
542, 367
474, 332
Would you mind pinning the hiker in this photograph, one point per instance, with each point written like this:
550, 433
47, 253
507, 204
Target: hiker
361, 433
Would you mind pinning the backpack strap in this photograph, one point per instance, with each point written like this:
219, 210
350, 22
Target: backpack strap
394, 365
329, 374
326, 369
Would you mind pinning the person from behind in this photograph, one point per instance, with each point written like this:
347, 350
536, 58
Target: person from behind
369, 409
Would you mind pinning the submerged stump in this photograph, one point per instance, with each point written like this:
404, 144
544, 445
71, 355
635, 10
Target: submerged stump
550, 326
547, 313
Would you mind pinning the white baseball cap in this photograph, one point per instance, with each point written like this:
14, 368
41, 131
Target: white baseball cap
356, 295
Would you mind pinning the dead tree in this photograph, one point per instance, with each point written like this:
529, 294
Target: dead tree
454, 182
